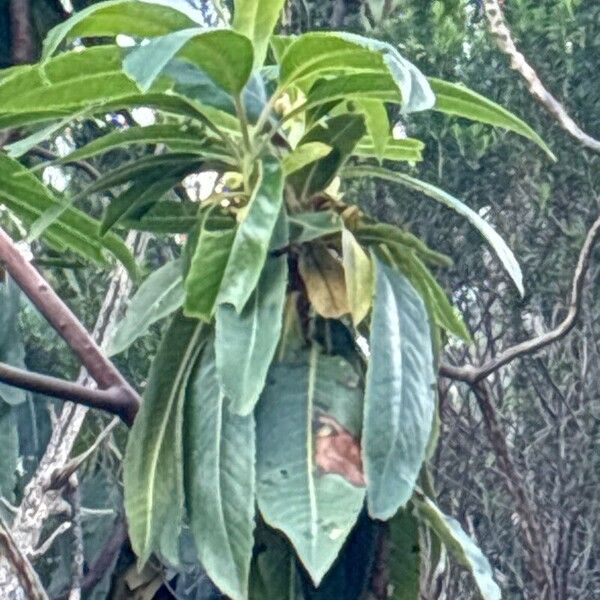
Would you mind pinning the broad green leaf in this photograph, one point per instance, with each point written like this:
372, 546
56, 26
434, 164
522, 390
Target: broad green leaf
385, 233
12, 349
367, 86
358, 273
178, 137
251, 243
146, 167
377, 124
168, 216
444, 312
246, 343
341, 133
153, 470
160, 295
256, 19
305, 227
405, 559
208, 264
407, 149
399, 399
143, 194
325, 282
455, 99
273, 573
9, 457
69, 82
503, 252
29, 198
316, 511
462, 547
304, 155
225, 55
219, 458
315, 54
138, 18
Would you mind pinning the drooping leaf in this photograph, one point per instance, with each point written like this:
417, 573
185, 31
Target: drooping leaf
377, 124
325, 282
246, 343
256, 19
153, 470
160, 295
358, 273
407, 149
273, 573
455, 99
9, 457
29, 198
251, 243
316, 511
219, 480
399, 399
503, 252
405, 559
304, 155
341, 133
460, 545
145, 18
224, 54
305, 227
315, 54
207, 267
12, 349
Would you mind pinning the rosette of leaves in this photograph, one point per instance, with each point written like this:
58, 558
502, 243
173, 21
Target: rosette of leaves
293, 394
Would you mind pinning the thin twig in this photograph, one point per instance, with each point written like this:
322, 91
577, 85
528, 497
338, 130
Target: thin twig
499, 29
472, 374
47, 544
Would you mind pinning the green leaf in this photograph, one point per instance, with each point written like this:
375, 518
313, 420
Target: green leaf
304, 155
367, 86
219, 480
246, 343
168, 216
341, 133
178, 137
455, 99
29, 198
315, 54
444, 312
399, 399
143, 194
153, 471
503, 252
358, 271
406, 149
9, 457
405, 560
207, 267
308, 226
390, 234
160, 295
69, 82
12, 349
256, 19
460, 545
377, 123
316, 511
226, 56
273, 573
251, 243
143, 18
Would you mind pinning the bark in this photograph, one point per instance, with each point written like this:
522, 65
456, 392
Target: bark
22, 46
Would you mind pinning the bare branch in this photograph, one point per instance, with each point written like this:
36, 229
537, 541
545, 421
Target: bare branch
68, 327
113, 400
472, 374
22, 47
499, 29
